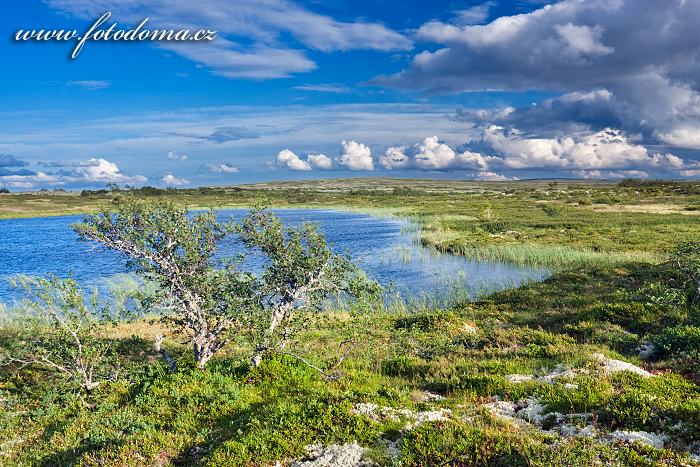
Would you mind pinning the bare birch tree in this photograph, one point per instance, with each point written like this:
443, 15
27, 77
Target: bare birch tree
214, 301
62, 333
302, 272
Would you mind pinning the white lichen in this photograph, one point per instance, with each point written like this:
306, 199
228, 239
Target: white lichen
414, 419
335, 455
611, 365
655, 440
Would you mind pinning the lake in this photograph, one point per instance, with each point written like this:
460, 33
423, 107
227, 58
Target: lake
385, 248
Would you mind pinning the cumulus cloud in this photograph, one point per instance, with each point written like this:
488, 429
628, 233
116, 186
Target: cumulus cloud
224, 167
102, 170
431, 154
319, 161
644, 54
30, 180
95, 170
395, 158
287, 158
263, 24
173, 156
494, 177
290, 160
355, 156
686, 135
171, 180
607, 153
606, 149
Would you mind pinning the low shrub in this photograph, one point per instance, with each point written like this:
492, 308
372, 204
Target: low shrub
677, 339
405, 366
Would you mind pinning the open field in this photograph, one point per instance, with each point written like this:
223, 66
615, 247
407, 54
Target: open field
597, 365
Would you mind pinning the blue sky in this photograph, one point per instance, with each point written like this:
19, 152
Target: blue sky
490, 90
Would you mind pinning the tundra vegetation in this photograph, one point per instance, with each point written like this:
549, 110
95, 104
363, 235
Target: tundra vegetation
596, 365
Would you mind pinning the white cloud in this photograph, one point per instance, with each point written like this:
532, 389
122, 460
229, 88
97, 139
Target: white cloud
289, 159
476, 14
320, 161
355, 156
95, 170
604, 175
171, 180
494, 177
102, 170
607, 149
432, 154
333, 88
577, 47
173, 156
604, 154
90, 85
262, 23
30, 181
224, 167
683, 136
395, 158
581, 41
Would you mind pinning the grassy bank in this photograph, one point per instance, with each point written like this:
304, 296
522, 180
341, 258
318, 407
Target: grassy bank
418, 388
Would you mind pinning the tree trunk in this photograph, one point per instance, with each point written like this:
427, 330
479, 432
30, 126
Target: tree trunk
169, 361
202, 351
90, 385
257, 359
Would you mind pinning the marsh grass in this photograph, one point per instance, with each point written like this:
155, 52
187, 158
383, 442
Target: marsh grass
557, 257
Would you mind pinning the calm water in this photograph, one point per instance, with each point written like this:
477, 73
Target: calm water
385, 249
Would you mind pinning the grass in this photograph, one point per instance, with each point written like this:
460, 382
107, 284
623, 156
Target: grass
562, 257
232, 414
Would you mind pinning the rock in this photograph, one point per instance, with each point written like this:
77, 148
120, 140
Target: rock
652, 439
646, 350
614, 366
